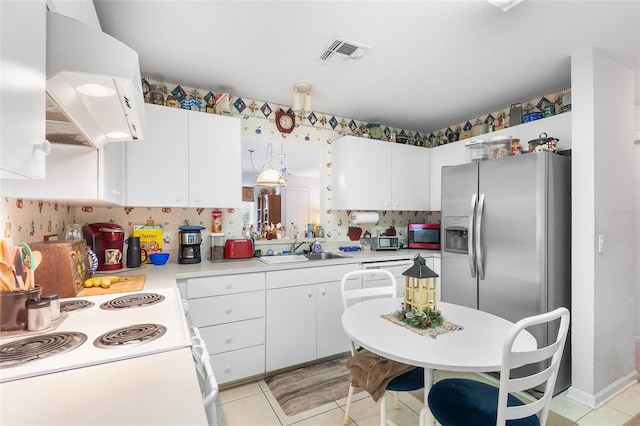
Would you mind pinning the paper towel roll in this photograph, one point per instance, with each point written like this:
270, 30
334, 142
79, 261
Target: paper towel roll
365, 217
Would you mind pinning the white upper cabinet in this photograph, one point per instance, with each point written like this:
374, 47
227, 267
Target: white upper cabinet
22, 88
370, 174
450, 154
187, 159
77, 175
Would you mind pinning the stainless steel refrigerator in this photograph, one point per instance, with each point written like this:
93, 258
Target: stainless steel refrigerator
506, 239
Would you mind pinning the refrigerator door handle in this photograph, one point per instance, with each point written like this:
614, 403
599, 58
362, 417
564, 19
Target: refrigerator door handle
478, 237
470, 238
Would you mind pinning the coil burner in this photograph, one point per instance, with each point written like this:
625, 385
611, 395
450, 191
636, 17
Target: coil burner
133, 301
36, 348
75, 305
130, 336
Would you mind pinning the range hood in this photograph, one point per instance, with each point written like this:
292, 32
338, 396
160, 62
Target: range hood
94, 90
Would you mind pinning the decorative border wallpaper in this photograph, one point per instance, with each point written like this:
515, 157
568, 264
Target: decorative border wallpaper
31, 220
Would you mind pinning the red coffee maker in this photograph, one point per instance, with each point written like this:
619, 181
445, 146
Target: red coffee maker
107, 242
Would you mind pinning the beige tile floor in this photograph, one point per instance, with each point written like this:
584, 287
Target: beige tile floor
253, 405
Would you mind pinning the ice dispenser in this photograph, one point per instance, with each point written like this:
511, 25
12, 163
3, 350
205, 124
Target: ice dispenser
456, 234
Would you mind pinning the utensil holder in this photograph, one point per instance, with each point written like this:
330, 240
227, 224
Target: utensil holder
13, 311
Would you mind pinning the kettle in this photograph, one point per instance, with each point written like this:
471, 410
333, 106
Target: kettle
134, 252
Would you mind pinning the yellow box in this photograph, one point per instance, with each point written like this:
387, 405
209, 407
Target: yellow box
150, 239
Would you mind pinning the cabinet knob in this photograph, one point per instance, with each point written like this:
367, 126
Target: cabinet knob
227, 286
179, 198
227, 369
310, 294
323, 291
227, 310
227, 339
197, 199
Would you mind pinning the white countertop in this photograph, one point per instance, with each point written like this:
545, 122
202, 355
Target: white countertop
160, 389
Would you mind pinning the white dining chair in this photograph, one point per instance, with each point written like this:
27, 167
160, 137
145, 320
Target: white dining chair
409, 381
206, 378
461, 402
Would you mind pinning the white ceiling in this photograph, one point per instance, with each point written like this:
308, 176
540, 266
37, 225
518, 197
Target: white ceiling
431, 64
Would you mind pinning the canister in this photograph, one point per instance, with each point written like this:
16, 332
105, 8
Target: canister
38, 315
217, 246
54, 300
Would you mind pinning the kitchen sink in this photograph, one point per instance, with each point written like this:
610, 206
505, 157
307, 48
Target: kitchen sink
324, 256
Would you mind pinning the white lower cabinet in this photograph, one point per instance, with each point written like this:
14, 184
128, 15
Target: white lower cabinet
229, 311
304, 310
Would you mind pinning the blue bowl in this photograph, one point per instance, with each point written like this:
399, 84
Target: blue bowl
159, 258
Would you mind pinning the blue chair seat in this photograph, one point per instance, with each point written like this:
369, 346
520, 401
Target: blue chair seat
409, 381
463, 402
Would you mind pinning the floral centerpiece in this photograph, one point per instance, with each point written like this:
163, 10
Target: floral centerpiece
428, 318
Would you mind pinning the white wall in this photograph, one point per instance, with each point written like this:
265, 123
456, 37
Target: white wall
603, 202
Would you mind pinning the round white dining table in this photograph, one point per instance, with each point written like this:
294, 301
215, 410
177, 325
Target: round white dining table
477, 347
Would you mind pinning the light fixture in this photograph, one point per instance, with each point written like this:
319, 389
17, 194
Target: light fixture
268, 176
505, 4
302, 97
96, 90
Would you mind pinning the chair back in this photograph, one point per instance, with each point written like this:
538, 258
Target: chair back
386, 289
550, 356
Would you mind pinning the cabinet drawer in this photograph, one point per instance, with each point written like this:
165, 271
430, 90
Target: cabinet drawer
236, 365
224, 284
233, 336
313, 275
224, 309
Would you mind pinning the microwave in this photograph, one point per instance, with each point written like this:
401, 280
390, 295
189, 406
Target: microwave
385, 243
423, 236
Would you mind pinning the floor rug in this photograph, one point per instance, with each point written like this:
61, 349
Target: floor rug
309, 387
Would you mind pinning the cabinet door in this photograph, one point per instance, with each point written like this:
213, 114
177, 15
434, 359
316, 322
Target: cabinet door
112, 160
157, 166
450, 154
331, 338
291, 326
410, 177
361, 174
22, 88
215, 176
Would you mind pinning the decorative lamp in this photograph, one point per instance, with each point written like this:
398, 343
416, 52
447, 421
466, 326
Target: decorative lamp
420, 286
269, 176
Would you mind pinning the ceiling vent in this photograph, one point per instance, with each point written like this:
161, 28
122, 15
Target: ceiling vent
344, 49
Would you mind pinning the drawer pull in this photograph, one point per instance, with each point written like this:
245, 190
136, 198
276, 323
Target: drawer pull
227, 310
228, 286
227, 369
227, 339
323, 292
310, 294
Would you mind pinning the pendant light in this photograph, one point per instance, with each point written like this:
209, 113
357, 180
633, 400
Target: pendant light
270, 176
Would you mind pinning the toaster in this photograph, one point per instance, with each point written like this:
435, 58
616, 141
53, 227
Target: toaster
238, 248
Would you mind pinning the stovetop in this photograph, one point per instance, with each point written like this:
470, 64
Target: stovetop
152, 321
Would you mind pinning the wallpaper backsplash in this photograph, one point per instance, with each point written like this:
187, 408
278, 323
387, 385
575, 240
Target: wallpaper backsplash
32, 220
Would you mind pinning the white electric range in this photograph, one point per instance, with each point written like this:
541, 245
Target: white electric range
107, 328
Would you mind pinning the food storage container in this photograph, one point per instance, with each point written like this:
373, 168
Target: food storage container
478, 150
499, 146
543, 143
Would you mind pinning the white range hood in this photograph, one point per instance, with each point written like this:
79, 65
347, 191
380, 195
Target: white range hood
93, 80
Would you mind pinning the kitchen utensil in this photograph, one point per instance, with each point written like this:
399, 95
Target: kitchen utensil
159, 258
515, 114
37, 258
28, 265
7, 279
134, 252
18, 268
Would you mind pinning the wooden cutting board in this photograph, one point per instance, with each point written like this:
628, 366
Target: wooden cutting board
133, 283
